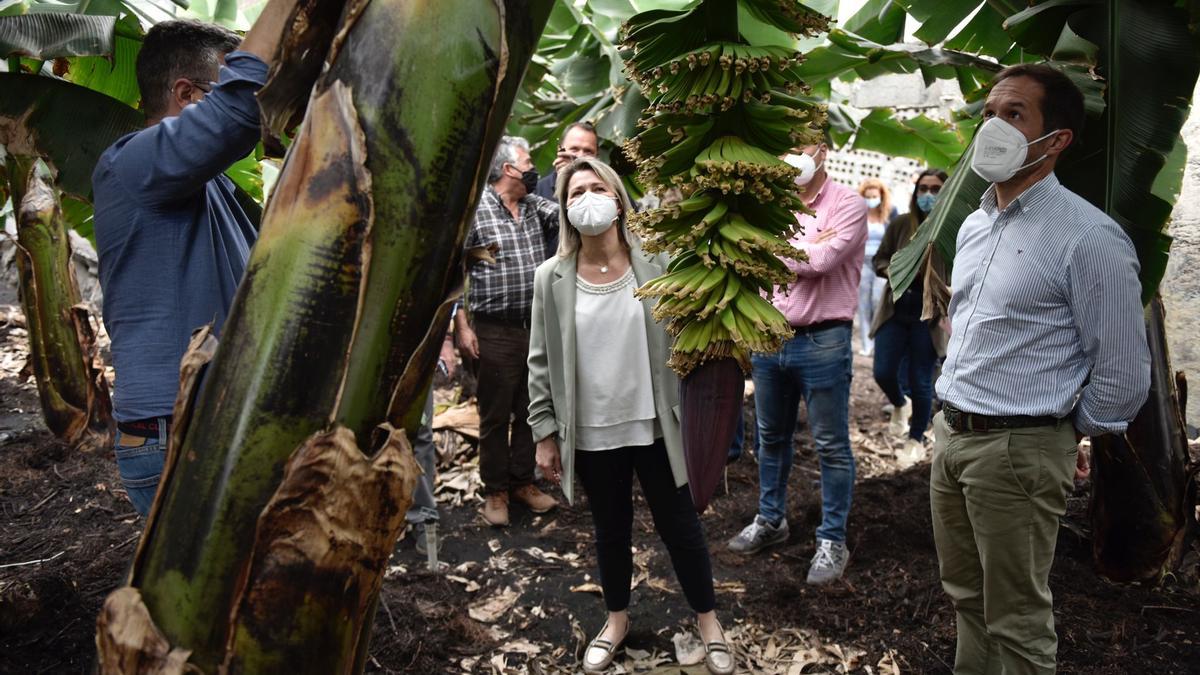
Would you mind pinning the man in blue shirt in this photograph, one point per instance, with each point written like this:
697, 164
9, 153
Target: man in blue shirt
172, 238
1047, 343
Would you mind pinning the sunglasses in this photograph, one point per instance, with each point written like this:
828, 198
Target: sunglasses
923, 189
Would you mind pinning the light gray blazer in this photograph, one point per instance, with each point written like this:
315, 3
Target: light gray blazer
552, 363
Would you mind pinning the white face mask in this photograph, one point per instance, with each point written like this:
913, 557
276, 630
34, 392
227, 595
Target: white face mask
808, 168
1000, 150
592, 213
873, 202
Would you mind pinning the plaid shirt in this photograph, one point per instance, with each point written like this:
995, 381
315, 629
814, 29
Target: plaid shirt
505, 288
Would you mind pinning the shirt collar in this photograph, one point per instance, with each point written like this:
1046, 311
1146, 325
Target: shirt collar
820, 193
1030, 198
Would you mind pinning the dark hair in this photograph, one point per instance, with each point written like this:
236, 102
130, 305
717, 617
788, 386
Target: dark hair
586, 126
175, 49
1062, 102
916, 215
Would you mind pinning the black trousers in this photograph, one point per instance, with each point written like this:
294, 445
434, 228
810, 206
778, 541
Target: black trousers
506, 460
607, 477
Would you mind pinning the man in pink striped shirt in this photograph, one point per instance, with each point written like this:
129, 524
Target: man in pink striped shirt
815, 366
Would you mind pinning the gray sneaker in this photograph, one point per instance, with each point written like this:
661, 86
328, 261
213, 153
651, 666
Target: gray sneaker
758, 535
829, 562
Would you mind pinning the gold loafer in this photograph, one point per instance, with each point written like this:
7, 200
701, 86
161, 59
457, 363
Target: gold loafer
717, 656
604, 649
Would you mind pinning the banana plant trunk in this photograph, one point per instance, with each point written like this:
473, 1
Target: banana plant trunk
1144, 492
62, 344
284, 494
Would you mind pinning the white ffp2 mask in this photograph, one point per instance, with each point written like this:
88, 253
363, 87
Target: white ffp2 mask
592, 213
1000, 150
806, 165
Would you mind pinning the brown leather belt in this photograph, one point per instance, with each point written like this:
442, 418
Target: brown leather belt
961, 421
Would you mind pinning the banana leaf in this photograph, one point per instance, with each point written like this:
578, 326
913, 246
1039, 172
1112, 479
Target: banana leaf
49, 36
305, 398
43, 116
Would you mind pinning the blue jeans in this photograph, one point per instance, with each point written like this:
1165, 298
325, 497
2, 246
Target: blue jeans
905, 359
815, 366
141, 466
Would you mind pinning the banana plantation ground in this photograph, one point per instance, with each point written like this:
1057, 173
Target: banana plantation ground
523, 599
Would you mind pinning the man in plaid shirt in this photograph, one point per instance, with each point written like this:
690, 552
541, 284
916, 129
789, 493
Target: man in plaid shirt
512, 221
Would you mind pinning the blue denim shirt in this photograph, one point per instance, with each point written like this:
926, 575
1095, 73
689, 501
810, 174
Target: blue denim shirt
173, 241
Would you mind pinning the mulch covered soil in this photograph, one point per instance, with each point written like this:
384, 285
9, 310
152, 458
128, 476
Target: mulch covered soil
525, 599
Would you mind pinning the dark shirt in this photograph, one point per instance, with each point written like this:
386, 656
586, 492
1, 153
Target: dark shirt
545, 189
173, 240
505, 288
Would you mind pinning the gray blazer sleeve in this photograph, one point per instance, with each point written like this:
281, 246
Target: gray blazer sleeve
541, 402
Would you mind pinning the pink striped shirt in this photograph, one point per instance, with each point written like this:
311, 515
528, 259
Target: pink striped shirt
826, 285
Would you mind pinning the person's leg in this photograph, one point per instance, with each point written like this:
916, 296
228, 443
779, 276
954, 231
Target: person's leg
825, 371
494, 392
521, 457
607, 479
1015, 498
739, 432
776, 403
140, 464
889, 350
866, 307
958, 556
922, 358
678, 525
424, 505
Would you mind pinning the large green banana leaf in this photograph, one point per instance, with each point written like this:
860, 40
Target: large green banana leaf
49, 36
1116, 162
68, 125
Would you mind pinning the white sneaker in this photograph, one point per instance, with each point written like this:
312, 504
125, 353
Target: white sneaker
912, 453
829, 562
899, 424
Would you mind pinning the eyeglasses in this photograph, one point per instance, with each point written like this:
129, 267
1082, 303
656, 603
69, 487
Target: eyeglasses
205, 86
923, 189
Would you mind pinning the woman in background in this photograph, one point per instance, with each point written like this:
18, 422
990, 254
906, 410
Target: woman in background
870, 287
603, 401
899, 332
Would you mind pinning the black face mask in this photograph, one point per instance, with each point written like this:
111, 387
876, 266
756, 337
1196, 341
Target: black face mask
530, 180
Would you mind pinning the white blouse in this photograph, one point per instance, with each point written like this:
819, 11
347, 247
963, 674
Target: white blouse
614, 407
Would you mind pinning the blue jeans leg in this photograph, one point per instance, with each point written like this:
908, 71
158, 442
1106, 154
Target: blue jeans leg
776, 399
891, 342
922, 358
825, 367
141, 467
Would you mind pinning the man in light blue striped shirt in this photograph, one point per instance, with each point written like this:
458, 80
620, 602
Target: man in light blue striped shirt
1047, 344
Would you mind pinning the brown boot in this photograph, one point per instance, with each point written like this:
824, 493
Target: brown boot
495, 509
535, 499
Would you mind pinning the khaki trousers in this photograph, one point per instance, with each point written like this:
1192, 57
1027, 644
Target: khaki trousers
996, 498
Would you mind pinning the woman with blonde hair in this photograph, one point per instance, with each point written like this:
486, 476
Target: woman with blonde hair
603, 403
870, 286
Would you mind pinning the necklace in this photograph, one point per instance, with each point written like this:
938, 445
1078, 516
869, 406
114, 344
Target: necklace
604, 269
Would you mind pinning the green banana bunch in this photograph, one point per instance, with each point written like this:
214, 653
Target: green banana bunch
721, 113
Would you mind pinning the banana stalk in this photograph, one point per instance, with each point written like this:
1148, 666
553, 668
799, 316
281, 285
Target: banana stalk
265, 549
1143, 489
721, 113
62, 344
